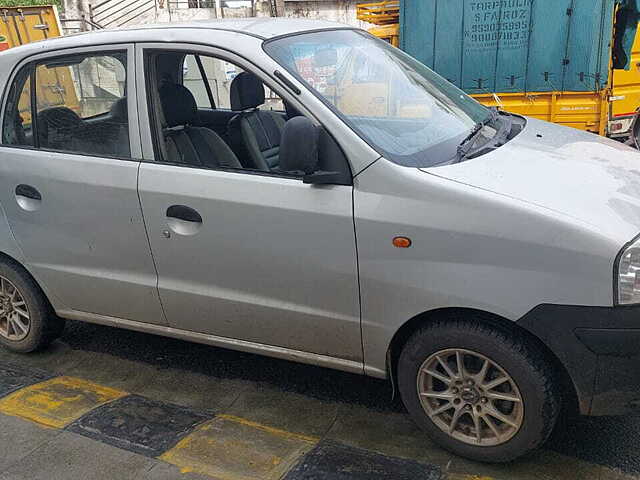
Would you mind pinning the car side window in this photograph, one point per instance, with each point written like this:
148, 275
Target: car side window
218, 75
228, 122
80, 105
16, 129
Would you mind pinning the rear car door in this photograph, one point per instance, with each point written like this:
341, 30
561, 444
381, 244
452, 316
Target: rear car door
248, 256
69, 172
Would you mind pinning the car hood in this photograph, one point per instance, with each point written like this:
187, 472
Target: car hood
580, 175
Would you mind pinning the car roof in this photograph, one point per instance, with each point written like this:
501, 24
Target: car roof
263, 27
257, 27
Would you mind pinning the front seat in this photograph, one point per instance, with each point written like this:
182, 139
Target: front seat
197, 146
254, 134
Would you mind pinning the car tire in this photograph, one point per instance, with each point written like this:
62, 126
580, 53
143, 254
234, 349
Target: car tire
523, 408
27, 321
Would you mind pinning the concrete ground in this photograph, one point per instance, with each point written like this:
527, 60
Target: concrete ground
103, 403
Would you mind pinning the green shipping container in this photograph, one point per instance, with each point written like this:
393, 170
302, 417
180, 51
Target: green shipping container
486, 46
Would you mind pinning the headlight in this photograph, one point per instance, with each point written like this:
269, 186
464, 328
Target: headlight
628, 274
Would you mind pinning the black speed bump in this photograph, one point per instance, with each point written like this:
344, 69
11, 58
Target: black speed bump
331, 460
139, 425
14, 377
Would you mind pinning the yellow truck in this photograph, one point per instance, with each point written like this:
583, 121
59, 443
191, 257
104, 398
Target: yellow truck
609, 108
385, 15
22, 25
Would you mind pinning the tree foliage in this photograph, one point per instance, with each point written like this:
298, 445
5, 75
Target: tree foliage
29, 3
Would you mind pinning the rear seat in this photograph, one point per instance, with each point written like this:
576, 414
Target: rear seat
60, 128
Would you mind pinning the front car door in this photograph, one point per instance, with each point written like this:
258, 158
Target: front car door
265, 259
69, 182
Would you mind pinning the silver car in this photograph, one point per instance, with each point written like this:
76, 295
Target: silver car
303, 190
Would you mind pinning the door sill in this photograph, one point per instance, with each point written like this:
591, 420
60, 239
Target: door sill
215, 341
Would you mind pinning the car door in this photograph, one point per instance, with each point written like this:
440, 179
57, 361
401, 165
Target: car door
69, 176
250, 256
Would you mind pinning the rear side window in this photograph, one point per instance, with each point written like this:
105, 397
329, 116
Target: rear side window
204, 76
16, 128
80, 106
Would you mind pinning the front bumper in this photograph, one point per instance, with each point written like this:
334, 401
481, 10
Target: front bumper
600, 349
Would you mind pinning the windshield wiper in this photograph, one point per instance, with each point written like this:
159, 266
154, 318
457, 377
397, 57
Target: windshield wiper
467, 144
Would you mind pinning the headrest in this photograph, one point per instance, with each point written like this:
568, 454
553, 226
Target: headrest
299, 146
59, 117
118, 110
56, 126
291, 110
178, 105
247, 91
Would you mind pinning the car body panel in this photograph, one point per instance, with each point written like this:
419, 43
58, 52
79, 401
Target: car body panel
470, 249
273, 260
244, 293
591, 179
85, 242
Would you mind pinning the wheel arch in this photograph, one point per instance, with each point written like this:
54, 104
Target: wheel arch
570, 396
17, 263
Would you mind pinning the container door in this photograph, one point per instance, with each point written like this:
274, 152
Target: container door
19, 26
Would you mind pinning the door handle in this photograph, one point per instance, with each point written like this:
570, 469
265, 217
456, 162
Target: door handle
28, 191
184, 213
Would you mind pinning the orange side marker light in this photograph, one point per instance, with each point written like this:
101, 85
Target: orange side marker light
402, 242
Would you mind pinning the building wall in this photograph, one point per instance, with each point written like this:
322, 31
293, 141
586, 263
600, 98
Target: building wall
343, 11
174, 11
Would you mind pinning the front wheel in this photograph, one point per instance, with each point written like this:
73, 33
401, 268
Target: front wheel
478, 391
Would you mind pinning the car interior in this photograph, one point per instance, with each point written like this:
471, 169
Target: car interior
246, 136
60, 128
244, 132
63, 124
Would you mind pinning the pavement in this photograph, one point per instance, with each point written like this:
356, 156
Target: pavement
103, 403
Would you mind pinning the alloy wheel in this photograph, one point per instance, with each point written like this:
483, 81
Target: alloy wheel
470, 397
14, 313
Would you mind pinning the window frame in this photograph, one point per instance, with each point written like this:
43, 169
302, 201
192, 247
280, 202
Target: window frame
149, 130
203, 77
4, 102
33, 61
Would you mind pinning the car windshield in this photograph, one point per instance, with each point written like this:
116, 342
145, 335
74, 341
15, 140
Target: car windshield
403, 109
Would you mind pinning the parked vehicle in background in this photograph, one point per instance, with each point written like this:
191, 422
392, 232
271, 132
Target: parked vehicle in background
574, 63
385, 15
24, 25
486, 263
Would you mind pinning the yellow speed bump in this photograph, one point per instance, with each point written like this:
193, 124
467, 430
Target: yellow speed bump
57, 402
454, 476
232, 448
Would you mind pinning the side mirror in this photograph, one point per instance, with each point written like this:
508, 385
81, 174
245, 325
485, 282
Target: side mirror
324, 178
299, 146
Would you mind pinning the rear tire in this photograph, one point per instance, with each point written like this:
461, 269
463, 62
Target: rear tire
505, 402
27, 321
